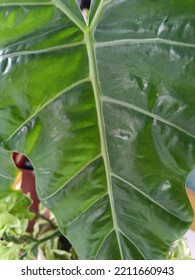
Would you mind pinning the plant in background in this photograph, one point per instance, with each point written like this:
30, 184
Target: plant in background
104, 109
180, 250
17, 238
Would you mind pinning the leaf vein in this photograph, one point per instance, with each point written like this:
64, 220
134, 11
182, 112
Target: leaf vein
73, 177
143, 41
69, 14
147, 196
144, 112
132, 243
83, 212
22, 53
6, 177
101, 245
12, 4
40, 108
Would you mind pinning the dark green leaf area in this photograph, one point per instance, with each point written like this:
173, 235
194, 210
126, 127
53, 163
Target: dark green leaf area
148, 149
86, 230
72, 7
136, 218
90, 219
155, 77
144, 19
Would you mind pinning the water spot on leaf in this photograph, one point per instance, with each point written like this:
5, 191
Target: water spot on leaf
123, 134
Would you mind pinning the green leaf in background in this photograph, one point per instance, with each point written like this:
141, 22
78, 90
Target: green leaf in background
11, 225
180, 250
105, 112
14, 210
9, 252
52, 252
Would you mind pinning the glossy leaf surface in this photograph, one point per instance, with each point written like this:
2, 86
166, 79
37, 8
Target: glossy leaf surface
105, 112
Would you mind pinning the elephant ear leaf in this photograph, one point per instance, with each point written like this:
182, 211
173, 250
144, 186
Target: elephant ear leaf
7, 173
105, 112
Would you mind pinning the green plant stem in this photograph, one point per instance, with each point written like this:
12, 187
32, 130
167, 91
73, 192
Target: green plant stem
22, 239
44, 218
54, 234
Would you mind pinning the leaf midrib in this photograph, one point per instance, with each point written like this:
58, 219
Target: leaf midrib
90, 45
97, 95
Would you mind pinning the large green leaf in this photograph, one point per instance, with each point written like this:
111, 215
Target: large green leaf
7, 173
105, 112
